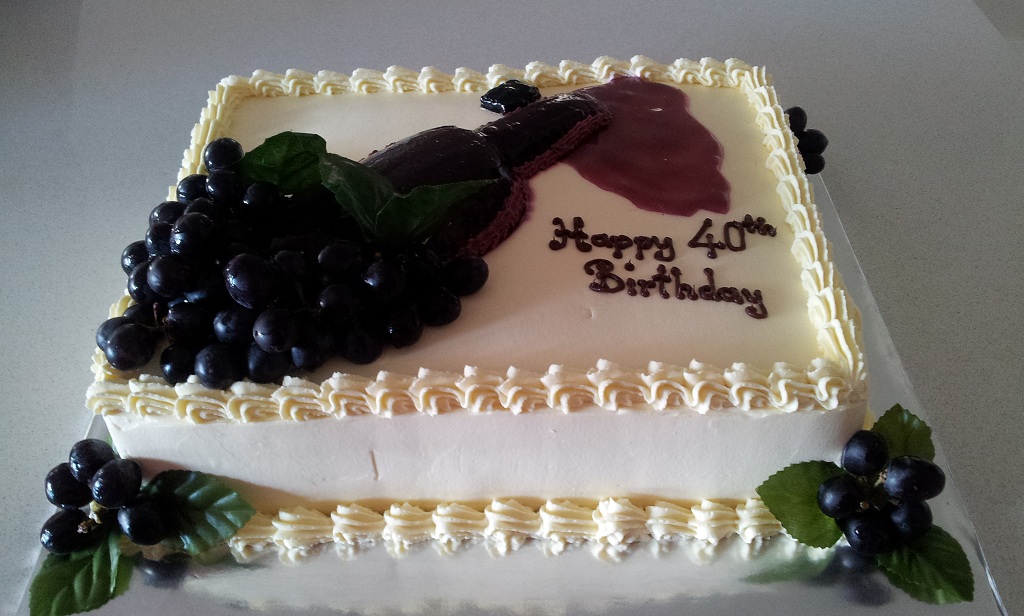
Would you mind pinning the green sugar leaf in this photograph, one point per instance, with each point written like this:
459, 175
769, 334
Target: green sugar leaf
201, 510
360, 191
289, 160
413, 216
905, 433
81, 581
932, 568
792, 496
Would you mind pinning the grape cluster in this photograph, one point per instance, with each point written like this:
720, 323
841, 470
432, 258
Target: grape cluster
238, 281
811, 142
111, 486
879, 500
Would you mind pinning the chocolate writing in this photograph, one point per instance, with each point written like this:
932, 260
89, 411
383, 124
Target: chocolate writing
734, 235
667, 283
617, 243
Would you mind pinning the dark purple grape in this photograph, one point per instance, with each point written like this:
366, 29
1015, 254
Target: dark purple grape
360, 347
177, 363
130, 347
250, 281
191, 187
404, 327
194, 236
812, 141
68, 531
261, 198
168, 211
267, 367
234, 325
165, 573
107, 329
222, 153
225, 187
145, 314
386, 279
509, 96
290, 263
64, 490
869, 532
168, 275
340, 299
308, 356
465, 275
422, 269
865, 453
134, 254
797, 119
142, 521
813, 163
138, 284
117, 482
439, 307
912, 518
275, 330
204, 205
219, 365
912, 478
840, 496
88, 456
340, 259
158, 239
207, 287
188, 324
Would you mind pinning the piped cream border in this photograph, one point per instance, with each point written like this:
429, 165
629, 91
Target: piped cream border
836, 379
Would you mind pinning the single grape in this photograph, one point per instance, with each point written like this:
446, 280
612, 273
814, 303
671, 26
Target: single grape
68, 531
385, 278
168, 211
165, 573
191, 187
340, 259
130, 347
88, 456
222, 153
404, 327
138, 284
168, 275
218, 366
290, 263
158, 239
813, 141
249, 280
360, 347
133, 255
797, 119
225, 187
117, 482
869, 532
194, 236
813, 163
145, 314
188, 323
233, 325
308, 356
340, 299
64, 490
865, 453
107, 329
275, 330
142, 521
267, 367
207, 207
465, 275
912, 478
912, 518
207, 286
439, 307
261, 198
177, 363
840, 496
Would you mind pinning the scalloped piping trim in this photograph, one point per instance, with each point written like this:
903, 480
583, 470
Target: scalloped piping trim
836, 379
506, 525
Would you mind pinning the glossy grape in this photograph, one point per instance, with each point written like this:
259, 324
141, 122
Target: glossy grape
465, 275
188, 323
168, 211
222, 153
64, 490
145, 314
141, 521
261, 198
339, 259
138, 284
158, 239
107, 329
218, 366
404, 327
225, 187
130, 347
361, 347
68, 531
264, 367
840, 496
866, 453
88, 456
191, 187
439, 307
275, 330
168, 275
117, 482
234, 325
194, 236
869, 532
134, 254
509, 96
385, 278
912, 518
912, 478
340, 299
249, 281
177, 363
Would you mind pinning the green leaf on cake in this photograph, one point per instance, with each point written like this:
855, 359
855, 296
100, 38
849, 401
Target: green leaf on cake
792, 496
289, 160
81, 581
932, 568
201, 510
361, 191
416, 214
905, 433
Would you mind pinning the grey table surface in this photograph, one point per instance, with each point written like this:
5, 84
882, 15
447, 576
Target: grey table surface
922, 101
